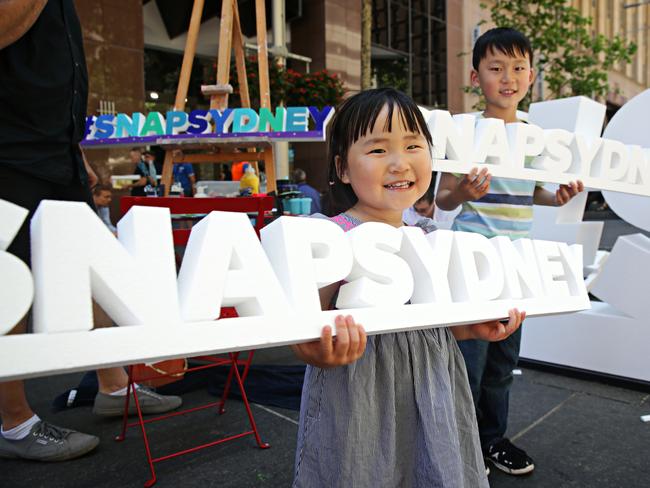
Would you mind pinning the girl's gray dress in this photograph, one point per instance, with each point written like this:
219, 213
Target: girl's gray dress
400, 416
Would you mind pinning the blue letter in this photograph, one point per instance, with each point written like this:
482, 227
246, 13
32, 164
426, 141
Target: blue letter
238, 124
321, 117
297, 119
198, 122
176, 122
90, 121
132, 126
104, 126
221, 120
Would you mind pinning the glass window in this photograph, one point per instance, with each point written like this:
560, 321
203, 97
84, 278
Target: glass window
410, 48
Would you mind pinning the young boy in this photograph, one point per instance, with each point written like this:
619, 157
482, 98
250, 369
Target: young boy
502, 60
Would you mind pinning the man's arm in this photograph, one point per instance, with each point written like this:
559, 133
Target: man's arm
141, 182
92, 176
192, 178
16, 18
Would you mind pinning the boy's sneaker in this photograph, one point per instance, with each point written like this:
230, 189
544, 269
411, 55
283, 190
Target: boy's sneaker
509, 458
47, 442
150, 402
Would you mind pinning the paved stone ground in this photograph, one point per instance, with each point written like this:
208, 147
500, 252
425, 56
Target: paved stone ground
581, 433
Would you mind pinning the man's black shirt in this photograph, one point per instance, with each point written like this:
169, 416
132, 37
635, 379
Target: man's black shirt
43, 97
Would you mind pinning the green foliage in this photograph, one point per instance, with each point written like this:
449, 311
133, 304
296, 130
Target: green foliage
574, 60
392, 73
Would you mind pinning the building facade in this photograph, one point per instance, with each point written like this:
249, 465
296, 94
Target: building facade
625, 18
417, 46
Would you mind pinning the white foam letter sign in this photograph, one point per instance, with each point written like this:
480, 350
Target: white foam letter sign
225, 265
306, 255
74, 255
428, 258
476, 271
378, 277
551, 268
519, 267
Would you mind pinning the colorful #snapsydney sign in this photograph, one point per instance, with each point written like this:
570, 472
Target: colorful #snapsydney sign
282, 123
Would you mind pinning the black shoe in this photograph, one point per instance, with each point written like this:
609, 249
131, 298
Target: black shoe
509, 458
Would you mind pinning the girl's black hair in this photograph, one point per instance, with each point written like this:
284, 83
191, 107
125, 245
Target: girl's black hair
354, 118
430, 193
505, 39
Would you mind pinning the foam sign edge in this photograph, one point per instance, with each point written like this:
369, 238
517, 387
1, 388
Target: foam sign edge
451, 166
80, 351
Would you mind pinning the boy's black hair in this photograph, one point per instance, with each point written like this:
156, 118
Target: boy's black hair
353, 119
505, 39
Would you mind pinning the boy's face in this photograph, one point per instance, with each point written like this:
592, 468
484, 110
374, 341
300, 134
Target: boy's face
503, 79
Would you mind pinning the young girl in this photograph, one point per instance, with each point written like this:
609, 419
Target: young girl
391, 410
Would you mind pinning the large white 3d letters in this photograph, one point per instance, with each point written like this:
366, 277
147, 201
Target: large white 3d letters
306, 255
379, 277
461, 143
478, 273
428, 257
224, 265
396, 279
74, 257
613, 336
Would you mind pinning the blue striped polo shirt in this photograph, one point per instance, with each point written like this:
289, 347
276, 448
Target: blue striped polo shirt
506, 210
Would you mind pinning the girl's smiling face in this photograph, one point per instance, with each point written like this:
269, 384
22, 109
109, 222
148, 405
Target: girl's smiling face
388, 171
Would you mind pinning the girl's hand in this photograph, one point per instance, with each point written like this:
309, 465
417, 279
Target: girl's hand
348, 345
496, 330
567, 192
474, 185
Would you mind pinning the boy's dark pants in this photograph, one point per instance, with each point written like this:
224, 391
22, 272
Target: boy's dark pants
489, 370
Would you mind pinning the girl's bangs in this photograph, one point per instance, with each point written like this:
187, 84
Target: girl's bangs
363, 116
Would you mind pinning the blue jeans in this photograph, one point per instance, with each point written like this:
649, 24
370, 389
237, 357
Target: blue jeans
489, 370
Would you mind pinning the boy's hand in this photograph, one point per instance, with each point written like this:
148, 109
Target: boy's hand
496, 330
567, 192
348, 345
474, 185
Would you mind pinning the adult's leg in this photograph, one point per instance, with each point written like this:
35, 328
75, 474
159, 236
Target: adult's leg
14, 408
25, 191
24, 435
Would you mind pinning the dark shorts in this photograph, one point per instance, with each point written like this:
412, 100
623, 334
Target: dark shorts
28, 191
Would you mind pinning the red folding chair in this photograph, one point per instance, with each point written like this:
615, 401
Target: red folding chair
194, 208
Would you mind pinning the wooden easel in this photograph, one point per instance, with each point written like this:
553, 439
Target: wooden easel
230, 37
